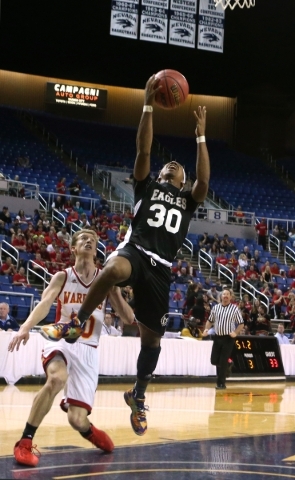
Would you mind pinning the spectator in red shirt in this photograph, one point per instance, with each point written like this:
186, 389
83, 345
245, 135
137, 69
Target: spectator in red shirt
110, 247
261, 229
8, 268
19, 242
20, 277
103, 234
277, 301
73, 217
61, 189
251, 273
291, 272
222, 259
275, 269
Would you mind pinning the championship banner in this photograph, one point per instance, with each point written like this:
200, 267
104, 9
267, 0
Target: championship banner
211, 26
124, 18
154, 21
182, 25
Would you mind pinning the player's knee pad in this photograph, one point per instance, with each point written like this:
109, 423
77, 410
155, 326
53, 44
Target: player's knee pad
147, 362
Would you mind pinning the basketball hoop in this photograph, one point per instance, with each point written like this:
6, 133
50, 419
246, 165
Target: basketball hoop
234, 3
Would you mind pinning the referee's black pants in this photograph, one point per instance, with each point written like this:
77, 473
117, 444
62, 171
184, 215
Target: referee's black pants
221, 352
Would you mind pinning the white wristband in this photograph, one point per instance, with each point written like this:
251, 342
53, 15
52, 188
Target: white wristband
147, 108
201, 139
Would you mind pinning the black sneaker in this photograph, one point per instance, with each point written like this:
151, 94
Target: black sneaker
220, 387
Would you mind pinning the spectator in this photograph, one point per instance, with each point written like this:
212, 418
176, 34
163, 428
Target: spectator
61, 190
7, 323
277, 301
110, 247
20, 278
222, 259
275, 269
108, 328
7, 267
68, 206
22, 218
291, 272
19, 242
263, 321
247, 253
177, 295
205, 242
73, 217
58, 204
75, 189
78, 208
243, 262
184, 277
261, 229
64, 236
191, 330
213, 294
5, 215
202, 211
83, 222
239, 215
282, 339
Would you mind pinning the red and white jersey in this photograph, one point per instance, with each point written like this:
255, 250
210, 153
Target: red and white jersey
69, 301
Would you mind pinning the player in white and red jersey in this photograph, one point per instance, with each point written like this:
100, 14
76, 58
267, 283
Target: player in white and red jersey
72, 367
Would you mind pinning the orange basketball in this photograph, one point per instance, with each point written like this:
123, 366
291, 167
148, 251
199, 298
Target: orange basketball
174, 89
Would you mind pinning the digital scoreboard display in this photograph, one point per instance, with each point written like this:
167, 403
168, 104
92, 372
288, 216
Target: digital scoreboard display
76, 95
257, 355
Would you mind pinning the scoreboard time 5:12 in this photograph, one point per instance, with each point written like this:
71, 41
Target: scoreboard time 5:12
257, 355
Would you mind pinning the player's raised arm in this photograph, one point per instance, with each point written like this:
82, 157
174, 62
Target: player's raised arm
201, 185
144, 138
120, 305
39, 312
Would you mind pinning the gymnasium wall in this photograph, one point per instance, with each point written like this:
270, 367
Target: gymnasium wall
124, 106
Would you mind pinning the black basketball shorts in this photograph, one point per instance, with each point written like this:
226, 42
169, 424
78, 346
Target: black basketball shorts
150, 281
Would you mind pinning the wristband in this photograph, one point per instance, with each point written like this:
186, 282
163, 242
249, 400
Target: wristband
147, 108
201, 139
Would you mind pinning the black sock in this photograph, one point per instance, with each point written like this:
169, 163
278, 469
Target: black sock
140, 388
29, 431
86, 434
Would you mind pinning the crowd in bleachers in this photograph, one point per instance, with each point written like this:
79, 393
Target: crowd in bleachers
192, 295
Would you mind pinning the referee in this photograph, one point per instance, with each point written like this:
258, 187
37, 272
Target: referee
227, 320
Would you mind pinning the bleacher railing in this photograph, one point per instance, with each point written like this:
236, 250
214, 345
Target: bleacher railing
205, 258
289, 254
223, 272
187, 245
10, 251
45, 277
275, 242
254, 294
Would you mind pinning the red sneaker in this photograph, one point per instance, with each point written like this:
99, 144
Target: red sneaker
23, 453
101, 440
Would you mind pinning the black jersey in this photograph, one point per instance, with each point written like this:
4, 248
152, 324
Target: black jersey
162, 214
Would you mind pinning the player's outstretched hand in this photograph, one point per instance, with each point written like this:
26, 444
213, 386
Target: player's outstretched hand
200, 116
151, 89
21, 336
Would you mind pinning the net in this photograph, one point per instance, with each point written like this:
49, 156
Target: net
235, 3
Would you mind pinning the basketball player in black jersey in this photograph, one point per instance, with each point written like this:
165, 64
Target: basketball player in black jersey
162, 214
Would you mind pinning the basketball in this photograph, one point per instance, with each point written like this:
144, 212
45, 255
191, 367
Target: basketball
174, 89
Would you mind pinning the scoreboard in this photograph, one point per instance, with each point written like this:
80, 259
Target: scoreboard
257, 356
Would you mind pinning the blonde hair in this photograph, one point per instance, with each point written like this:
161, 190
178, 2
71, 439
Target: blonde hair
86, 231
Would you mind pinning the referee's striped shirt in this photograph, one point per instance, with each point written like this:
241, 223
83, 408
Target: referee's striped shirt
225, 318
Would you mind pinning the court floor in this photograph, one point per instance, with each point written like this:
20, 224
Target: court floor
246, 432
